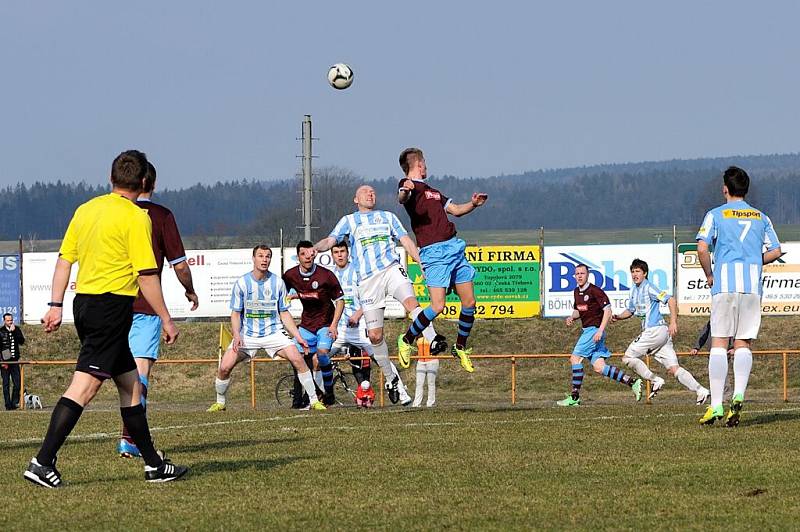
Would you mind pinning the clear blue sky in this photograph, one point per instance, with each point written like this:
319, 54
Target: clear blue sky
217, 90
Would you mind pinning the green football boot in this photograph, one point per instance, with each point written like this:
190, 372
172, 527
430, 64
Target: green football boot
712, 414
735, 411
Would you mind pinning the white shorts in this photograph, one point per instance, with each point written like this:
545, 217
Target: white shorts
271, 343
657, 342
735, 315
372, 293
351, 336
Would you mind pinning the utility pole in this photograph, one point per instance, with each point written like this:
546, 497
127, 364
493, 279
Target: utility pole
307, 156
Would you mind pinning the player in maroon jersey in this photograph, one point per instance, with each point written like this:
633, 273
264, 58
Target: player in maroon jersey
594, 309
441, 254
145, 334
322, 298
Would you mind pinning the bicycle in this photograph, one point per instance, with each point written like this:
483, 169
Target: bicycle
343, 386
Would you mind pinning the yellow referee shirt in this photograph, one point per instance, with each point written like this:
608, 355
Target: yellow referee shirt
110, 239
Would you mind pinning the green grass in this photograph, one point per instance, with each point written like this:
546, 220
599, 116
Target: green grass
611, 465
474, 462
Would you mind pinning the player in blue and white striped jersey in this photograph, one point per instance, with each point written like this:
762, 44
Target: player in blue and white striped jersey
743, 240
656, 337
371, 235
260, 319
352, 326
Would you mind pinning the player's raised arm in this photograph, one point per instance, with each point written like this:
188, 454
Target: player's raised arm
325, 244
405, 190
460, 209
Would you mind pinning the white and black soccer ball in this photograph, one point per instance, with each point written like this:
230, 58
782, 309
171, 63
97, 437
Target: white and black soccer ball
340, 76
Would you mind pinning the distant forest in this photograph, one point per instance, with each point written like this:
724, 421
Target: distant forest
598, 197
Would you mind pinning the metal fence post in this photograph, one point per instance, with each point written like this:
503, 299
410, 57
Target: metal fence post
785, 379
252, 383
513, 380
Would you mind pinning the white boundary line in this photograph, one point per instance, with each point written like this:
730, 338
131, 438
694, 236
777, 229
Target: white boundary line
114, 435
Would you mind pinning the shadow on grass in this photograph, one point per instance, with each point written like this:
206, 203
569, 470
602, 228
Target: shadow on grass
766, 419
232, 444
208, 468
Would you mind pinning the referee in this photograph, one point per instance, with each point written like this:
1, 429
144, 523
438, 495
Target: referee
110, 237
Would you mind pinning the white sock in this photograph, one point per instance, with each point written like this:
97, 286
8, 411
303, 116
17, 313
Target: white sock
222, 389
400, 386
428, 332
382, 358
742, 364
686, 378
307, 380
717, 372
637, 365
318, 379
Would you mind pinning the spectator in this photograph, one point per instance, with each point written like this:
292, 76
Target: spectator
11, 338
427, 369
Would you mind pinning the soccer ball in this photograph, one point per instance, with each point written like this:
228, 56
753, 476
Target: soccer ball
340, 76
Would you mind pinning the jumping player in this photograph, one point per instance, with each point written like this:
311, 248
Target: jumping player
110, 237
145, 335
441, 254
656, 337
352, 326
594, 309
323, 303
372, 234
739, 234
259, 320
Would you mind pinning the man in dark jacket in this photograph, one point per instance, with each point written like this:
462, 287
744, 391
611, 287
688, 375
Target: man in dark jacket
11, 338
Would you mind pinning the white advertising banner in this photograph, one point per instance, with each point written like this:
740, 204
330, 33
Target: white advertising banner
393, 307
37, 282
213, 272
780, 282
609, 268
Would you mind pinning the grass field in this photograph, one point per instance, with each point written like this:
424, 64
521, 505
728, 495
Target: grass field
613, 465
474, 462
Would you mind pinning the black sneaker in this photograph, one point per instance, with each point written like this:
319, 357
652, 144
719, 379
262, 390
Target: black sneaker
394, 393
438, 345
328, 399
47, 476
166, 472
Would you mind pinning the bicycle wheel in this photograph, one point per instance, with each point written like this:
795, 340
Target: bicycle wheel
345, 389
284, 390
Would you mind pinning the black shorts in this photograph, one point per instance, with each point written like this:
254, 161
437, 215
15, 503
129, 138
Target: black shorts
103, 322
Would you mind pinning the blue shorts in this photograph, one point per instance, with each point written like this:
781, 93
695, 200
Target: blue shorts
588, 348
145, 336
446, 264
317, 340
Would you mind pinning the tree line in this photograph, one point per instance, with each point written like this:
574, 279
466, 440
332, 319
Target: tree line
599, 197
